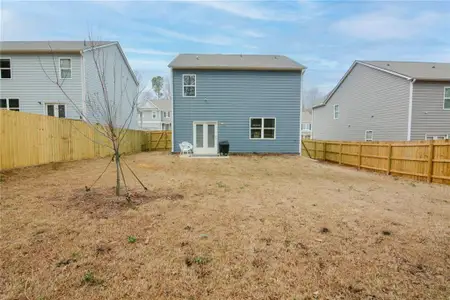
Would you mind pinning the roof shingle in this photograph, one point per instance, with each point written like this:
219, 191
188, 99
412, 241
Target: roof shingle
235, 62
43, 46
415, 70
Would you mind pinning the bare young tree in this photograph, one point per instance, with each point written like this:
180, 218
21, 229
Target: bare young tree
111, 99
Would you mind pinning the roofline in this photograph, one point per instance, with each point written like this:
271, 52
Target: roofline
298, 69
124, 57
40, 51
349, 71
149, 108
384, 70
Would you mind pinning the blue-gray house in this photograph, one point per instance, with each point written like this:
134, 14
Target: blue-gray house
252, 101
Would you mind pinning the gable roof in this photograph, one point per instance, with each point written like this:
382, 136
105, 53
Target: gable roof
49, 46
235, 62
427, 71
165, 105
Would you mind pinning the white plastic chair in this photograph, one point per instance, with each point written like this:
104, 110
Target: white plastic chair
186, 148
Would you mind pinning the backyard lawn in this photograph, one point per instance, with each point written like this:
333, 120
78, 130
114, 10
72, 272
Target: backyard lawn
248, 227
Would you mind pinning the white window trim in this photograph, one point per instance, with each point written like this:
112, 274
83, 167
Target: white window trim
60, 77
433, 136
262, 128
445, 98
56, 111
195, 86
365, 136
10, 70
334, 111
306, 125
7, 102
154, 115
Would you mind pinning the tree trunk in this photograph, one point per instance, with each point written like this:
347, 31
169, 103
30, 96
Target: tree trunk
117, 173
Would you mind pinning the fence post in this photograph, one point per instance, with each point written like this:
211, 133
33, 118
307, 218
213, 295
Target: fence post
325, 151
389, 159
340, 153
315, 149
359, 155
430, 161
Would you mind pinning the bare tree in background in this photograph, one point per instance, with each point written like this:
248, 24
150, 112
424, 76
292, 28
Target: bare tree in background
110, 104
312, 97
167, 89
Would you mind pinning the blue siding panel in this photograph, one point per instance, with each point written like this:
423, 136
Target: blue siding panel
231, 98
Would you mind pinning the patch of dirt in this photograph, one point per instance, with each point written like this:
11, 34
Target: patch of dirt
103, 203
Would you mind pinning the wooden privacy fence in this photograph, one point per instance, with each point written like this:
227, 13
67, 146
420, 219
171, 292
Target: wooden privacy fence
421, 160
161, 140
31, 139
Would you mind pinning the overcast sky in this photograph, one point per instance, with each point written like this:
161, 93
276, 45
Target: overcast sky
326, 36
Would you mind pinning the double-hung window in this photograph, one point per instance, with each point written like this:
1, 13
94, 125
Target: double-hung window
447, 98
368, 136
262, 128
65, 68
5, 68
9, 104
189, 85
336, 111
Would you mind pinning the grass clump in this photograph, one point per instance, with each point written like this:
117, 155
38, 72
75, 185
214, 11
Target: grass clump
132, 239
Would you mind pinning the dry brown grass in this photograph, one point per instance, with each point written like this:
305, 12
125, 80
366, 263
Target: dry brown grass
244, 228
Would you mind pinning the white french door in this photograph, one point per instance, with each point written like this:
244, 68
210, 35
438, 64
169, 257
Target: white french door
205, 138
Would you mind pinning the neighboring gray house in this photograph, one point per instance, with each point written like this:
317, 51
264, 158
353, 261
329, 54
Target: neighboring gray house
387, 100
28, 69
306, 128
156, 115
252, 101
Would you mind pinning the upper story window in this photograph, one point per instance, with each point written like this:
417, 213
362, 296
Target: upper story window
368, 137
262, 128
447, 98
165, 114
336, 111
9, 104
154, 114
65, 68
168, 114
5, 68
306, 126
189, 85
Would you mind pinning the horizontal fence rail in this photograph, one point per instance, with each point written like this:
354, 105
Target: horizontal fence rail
421, 160
31, 139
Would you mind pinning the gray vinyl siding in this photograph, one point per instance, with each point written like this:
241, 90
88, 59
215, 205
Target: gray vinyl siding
148, 123
121, 86
30, 84
428, 114
368, 100
231, 98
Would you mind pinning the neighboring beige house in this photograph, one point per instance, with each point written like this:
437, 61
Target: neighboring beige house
156, 115
387, 101
306, 124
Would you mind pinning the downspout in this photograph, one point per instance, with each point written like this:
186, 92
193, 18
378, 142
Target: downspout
301, 111
83, 88
411, 87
